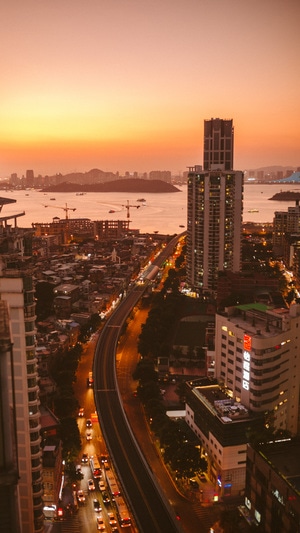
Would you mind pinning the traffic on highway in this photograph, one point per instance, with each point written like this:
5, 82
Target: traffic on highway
152, 512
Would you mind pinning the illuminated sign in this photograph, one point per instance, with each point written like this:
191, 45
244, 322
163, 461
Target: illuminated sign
245, 384
246, 361
247, 342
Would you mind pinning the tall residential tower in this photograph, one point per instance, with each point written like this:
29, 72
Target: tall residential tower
215, 207
20, 441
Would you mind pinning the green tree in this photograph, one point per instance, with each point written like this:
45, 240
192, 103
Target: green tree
65, 403
186, 460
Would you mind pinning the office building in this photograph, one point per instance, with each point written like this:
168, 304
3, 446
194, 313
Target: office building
222, 426
272, 497
214, 212
257, 360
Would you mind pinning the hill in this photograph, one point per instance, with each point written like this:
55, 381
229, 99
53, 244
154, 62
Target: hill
120, 185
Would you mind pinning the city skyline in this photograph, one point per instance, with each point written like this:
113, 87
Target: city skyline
127, 88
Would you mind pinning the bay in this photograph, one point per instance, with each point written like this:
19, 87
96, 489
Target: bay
164, 213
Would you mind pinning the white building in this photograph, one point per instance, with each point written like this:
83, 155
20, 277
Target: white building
222, 426
257, 360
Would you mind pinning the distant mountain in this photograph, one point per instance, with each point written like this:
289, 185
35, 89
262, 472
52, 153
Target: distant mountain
272, 168
121, 185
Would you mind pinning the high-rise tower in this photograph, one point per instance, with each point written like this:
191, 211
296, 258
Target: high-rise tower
19, 397
215, 207
218, 144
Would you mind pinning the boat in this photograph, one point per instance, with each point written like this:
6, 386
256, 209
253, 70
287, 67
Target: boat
111, 211
141, 200
253, 211
181, 225
52, 198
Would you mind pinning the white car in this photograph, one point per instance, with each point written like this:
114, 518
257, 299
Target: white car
101, 485
100, 523
88, 434
112, 519
80, 496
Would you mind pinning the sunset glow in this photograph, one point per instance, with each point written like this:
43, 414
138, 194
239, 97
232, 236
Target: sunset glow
127, 85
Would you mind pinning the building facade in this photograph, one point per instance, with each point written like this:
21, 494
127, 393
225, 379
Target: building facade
218, 144
272, 497
214, 226
222, 426
16, 288
257, 360
19, 379
9, 504
286, 236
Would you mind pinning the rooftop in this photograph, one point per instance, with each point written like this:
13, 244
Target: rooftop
218, 402
285, 458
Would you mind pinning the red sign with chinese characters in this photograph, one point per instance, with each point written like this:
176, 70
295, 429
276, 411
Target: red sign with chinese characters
247, 343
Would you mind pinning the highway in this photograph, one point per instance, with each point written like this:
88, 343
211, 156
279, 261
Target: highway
150, 508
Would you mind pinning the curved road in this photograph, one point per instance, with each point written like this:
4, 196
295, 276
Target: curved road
149, 506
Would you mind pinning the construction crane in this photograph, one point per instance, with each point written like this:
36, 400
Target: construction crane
66, 209
127, 207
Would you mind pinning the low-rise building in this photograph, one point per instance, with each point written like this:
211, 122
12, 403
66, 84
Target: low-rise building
223, 427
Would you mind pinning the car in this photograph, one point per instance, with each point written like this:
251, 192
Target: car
105, 498
104, 459
112, 519
81, 412
85, 458
97, 506
78, 469
101, 485
194, 483
100, 523
80, 496
88, 423
88, 435
91, 485
202, 478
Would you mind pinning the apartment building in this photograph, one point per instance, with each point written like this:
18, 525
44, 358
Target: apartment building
214, 210
214, 226
19, 387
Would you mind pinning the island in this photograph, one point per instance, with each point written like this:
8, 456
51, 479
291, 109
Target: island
127, 185
287, 196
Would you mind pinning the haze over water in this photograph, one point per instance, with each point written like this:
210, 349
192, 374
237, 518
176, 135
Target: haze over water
164, 212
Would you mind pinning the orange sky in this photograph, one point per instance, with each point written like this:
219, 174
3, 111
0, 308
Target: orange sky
126, 84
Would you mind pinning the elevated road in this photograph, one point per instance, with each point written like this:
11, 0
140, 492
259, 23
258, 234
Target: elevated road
152, 511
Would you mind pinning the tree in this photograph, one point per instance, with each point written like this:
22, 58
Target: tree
65, 403
70, 438
145, 371
186, 460
149, 390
